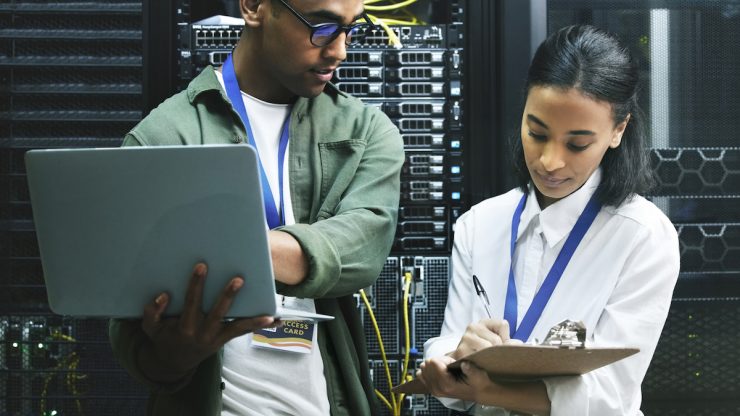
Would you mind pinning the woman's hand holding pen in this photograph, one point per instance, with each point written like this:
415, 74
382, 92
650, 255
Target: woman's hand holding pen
480, 335
474, 384
441, 383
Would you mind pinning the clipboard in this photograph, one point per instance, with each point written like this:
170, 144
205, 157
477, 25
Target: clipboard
532, 362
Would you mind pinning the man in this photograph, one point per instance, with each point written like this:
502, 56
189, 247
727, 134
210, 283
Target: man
333, 222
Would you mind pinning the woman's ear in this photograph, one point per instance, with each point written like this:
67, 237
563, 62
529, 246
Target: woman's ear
618, 132
252, 11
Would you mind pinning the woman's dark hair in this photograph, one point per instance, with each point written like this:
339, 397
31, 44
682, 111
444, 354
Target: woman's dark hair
595, 63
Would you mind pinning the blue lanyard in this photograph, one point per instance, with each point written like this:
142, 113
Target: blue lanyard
274, 218
553, 277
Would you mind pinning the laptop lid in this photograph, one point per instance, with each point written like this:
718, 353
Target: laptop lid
117, 226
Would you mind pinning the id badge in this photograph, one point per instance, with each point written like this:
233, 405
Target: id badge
293, 336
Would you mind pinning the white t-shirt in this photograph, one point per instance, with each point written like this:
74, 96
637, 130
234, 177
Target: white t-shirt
619, 282
266, 382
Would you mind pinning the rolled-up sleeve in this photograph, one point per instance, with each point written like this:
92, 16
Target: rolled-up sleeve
347, 249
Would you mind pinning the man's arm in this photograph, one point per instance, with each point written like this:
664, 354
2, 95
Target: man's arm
289, 262
346, 251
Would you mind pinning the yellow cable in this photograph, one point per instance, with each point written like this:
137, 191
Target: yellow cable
383, 399
394, 8
392, 38
59, 335
71, 358
71, 362
72, 378
44, 391
394, 405
407, 333
392, 2
412, 16
399, 22
382, 348
389, 7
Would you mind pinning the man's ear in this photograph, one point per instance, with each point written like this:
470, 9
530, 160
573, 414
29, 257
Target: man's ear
618, 132
252, 11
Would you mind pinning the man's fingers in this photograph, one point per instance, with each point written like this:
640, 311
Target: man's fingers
220, 309
193, 307
240, 327
153, 314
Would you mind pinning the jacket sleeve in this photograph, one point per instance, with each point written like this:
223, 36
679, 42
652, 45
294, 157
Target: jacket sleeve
634, 315
126, 339
346, 251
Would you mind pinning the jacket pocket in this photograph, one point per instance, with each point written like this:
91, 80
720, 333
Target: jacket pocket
339, 162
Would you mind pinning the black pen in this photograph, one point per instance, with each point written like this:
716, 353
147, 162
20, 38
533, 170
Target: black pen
482, 294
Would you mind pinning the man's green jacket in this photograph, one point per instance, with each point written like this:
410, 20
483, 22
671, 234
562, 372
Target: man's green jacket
345, 160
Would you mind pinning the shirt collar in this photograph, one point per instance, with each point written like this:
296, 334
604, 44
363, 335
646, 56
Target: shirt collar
557, 220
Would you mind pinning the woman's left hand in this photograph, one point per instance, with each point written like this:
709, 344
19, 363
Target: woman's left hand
441, 383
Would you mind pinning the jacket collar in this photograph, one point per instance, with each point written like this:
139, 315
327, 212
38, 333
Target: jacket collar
557, 220
206, 81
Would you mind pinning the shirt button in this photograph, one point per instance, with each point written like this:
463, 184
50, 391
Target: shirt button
237, 139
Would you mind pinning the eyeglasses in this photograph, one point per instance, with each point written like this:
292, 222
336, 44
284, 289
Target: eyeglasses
323, 34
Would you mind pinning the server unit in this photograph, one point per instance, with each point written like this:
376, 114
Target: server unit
420, 87
70, 76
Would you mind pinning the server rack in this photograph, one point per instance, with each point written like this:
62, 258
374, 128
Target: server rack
69, 81
421, 87
70, 76
690, 94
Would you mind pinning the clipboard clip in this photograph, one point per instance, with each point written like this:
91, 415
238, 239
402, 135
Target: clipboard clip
567, 334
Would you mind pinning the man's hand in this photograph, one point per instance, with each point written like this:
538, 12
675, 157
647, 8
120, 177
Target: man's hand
480, 335
179, 344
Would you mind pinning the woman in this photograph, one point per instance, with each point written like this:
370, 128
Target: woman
582, 164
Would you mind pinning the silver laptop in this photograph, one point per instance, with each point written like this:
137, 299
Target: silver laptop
117, 226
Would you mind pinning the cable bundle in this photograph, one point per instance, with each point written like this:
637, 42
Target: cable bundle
391, 12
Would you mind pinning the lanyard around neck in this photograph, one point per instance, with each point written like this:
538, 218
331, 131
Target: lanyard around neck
274, 218
553, 277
